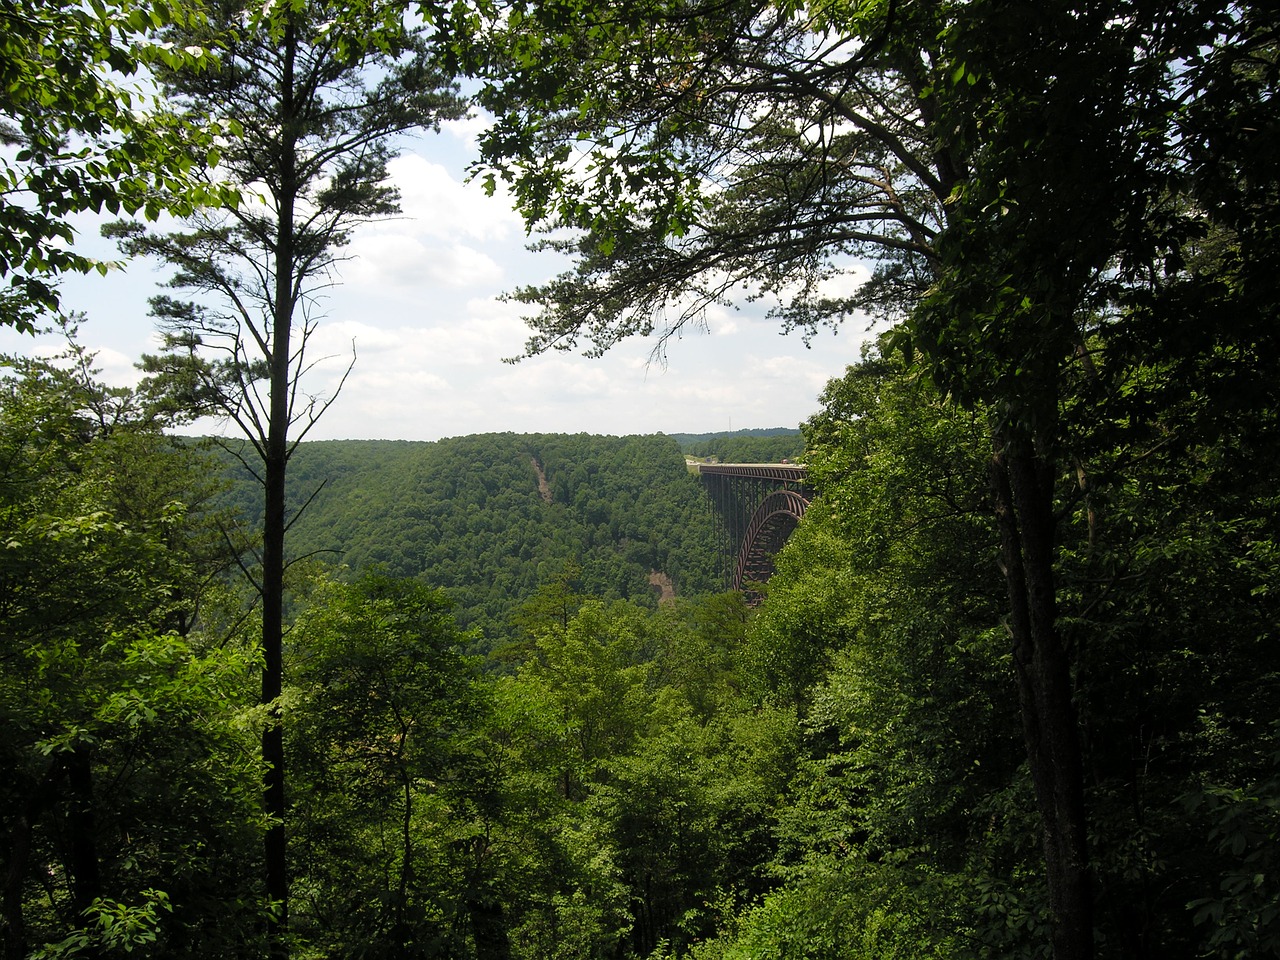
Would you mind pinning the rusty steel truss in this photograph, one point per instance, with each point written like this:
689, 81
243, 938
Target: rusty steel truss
757, 506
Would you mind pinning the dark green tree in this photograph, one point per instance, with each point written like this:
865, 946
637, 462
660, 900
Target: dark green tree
388, 710
657, 785
128, 798
319, 91
884, 625
554, 603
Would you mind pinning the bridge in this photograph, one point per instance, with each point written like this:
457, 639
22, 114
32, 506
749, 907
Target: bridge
757, 507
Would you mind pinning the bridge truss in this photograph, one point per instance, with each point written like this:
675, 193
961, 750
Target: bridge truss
757, 507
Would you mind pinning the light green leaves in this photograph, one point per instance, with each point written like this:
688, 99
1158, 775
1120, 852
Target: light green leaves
91, 136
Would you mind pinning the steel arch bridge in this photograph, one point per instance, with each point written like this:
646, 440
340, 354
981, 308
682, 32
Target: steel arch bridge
757, 506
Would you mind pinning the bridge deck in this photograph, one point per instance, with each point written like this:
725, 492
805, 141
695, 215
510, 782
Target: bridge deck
786, 472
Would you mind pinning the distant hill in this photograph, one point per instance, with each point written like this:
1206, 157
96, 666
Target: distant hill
768, 445
490, 517
686, 439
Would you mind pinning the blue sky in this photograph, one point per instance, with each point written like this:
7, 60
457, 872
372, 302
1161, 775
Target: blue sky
419, 296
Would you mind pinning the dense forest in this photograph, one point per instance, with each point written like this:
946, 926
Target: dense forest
488, 518
837, 773
1013, 690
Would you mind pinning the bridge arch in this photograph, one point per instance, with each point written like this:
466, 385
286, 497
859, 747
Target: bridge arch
773, 521
757, 506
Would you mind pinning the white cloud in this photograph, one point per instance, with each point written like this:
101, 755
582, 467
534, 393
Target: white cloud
724, 326
846, 284
468, 129
450, 235
113, 366
404, 262
441, 205
117, 368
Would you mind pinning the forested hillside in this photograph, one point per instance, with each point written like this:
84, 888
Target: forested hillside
837, 774
490, 517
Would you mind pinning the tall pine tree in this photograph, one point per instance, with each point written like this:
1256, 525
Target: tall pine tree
320, 91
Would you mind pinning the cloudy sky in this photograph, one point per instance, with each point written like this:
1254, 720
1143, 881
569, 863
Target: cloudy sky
419, 298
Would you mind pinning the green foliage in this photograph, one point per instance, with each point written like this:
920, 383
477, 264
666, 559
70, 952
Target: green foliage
1076, 208
700, 651
566, 897
1244, 914
554, 603
89, 136
1090, 287
837, 774
113, 926
842, 911
643, 821
879, 624
623, 137
127, 789
388, 784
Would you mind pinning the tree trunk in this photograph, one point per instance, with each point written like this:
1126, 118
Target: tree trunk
1023, 487
276, 457
83, 868
272, 684
21, 829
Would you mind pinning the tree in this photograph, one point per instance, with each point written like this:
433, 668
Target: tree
87, 136
1024, 316
1020, 174
691, 150
319, 91
387, 709
127, 797
882, 626
651, 785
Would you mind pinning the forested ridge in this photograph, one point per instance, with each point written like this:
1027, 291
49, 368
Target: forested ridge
1014, 688
770, 445
489, 517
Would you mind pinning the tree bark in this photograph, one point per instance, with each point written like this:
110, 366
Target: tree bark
83, 867
276, 456
1022, 483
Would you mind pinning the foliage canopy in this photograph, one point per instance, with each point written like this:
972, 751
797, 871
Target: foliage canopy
83, 131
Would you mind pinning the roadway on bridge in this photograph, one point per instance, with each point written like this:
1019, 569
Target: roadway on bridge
786, 472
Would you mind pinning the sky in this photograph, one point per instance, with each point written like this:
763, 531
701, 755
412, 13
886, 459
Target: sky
420, 298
